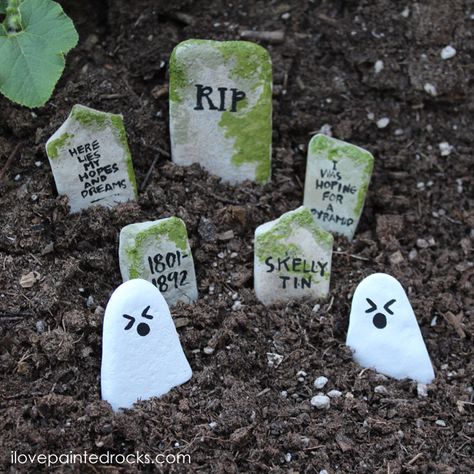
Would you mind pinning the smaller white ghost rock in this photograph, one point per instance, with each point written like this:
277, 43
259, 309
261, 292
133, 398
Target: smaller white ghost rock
142, 356
384, 333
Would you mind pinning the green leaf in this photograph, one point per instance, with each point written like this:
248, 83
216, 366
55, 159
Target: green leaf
32, 60
3, 6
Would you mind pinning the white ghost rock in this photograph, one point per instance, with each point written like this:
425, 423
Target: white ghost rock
142, 356
384, 333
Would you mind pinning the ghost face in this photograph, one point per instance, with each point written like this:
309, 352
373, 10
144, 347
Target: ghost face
383, 331
379, 320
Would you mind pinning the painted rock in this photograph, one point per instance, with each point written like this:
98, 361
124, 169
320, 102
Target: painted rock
337, 179
383, 331
292, 258
159, 252
91, 161
141, 353
221, 108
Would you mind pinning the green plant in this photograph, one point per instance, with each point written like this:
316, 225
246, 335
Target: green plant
35, 35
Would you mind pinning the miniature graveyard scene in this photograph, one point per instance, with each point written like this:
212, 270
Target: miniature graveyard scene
91, 160
159, 252
142, 356
221, 108
292, 258
383, 331
337, 179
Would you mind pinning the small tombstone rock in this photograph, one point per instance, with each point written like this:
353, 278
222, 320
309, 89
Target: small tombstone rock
221, 108
383, 331
91, 160
142, 356
292, 258
337, 179
159, 252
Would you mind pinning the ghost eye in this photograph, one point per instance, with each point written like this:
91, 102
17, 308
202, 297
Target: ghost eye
373, 306
145, 313
387, 306
130, 323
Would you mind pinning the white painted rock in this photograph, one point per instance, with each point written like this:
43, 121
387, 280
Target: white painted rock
141, 353
91, 161
159, 251
292, 258
337, 178
383, 332
221, 108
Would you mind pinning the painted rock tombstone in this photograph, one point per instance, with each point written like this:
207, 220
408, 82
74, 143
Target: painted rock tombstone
91, 160
383, 331
221, 108
142, 356
292, 258
159, 252
337, 179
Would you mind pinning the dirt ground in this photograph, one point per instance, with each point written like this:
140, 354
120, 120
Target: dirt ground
238, 414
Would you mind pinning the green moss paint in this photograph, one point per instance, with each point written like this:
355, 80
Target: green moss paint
54, 146
88, 117
178, 76
272, 242
121, 135
250, 129
172, 229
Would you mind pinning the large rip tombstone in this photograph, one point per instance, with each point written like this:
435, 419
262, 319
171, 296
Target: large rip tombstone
91, 160
337, 179
292, 258
159, 252
383, 331
221, 108
142, 356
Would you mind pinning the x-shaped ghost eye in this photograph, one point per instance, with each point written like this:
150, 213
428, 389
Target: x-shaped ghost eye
387, 306
131, 319
373, 306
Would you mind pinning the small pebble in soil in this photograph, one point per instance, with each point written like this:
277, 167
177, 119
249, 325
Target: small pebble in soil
286, 16
378, 66
412, 255
383, 122
422, 390
274, 359
301, 375
40, 326
237, 306
326, 129
380, 389
212, 424
422, 243
288, 457
320, 382
208, 350
321, 402
440, 423
334, 394
316, 308
430, 89
445, 149
448, 52
405, 13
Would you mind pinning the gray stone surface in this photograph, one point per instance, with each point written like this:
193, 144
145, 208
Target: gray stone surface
91, 160
337, 179
292, 258
159, 252
221, 108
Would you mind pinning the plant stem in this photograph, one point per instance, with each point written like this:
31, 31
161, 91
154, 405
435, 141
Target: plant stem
13, 17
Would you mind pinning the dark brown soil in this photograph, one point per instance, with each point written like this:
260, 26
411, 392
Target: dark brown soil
323, 74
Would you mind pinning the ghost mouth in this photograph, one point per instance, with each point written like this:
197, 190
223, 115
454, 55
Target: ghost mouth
380, 321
